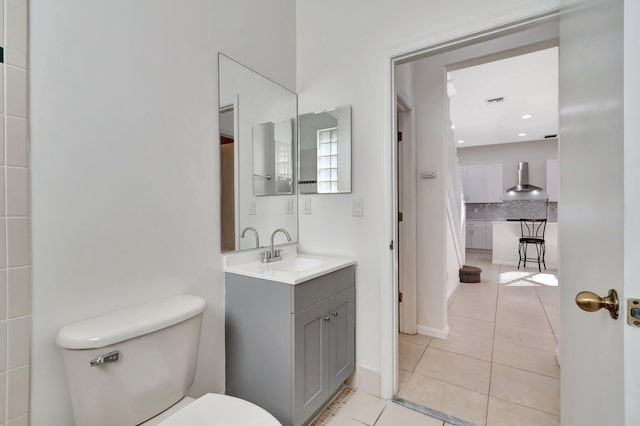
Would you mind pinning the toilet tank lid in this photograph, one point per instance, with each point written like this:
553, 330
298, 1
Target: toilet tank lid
125, 324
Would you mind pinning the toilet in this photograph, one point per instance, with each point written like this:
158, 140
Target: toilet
134, 366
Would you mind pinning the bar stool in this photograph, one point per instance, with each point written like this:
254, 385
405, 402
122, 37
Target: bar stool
532, 232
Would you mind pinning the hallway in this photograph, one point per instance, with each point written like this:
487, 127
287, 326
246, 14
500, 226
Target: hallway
498, 365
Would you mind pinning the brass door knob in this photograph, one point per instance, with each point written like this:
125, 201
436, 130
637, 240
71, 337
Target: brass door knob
591, 302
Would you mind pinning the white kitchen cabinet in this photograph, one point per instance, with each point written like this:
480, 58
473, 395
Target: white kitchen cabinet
494, 183
464, 176
476, 184
482, 183
553, 180
477, 234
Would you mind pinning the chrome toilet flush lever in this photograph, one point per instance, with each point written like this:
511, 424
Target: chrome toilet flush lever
110, 357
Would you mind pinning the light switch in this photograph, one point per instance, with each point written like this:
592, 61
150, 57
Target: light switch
306, 205
357, 208
252, 207
289, 207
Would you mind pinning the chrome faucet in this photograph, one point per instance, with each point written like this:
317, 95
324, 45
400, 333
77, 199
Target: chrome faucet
273, 255
251, 228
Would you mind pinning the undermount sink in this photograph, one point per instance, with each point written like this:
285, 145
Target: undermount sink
294, 264
293, 269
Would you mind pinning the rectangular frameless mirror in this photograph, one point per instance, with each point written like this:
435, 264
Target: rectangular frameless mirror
258, 141
325, 151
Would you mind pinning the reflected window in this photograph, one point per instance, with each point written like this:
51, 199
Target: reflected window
327, 160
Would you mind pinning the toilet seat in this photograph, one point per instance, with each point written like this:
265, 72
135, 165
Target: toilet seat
220, 410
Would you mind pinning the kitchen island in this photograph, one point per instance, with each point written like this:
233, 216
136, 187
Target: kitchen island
506, 236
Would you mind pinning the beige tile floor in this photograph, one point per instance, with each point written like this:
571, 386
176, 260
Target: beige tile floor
496, 368
357, 408
498, 365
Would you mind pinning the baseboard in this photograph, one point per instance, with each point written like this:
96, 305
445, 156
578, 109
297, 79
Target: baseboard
365, 379
440, 333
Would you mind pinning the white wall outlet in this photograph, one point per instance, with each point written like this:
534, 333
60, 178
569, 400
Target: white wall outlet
475, 210
306, 205
252, 207
289, 207
357, 208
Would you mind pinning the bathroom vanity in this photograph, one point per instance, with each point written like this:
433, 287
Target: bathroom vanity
290, 333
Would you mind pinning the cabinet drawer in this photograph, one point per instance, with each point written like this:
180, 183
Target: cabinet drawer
317, 289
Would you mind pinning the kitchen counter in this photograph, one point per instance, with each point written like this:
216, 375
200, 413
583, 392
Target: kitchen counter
506, 236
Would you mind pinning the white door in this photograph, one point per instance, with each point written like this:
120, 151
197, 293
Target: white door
599, 184
407, 309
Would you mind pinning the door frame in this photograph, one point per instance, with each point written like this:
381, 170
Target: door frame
432, 44
407, 309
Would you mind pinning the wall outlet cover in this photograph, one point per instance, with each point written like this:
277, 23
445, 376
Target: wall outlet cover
252, 207
357, 208
289, 207
306, 205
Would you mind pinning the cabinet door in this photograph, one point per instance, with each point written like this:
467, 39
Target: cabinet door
494, 183
478, 238
477, 184
341, 337
469, 238
311, 360
464, 176
552, 180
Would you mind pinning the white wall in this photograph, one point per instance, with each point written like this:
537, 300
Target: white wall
509, 154
348, 65
125, 162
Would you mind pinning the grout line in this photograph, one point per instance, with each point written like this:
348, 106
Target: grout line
6, 251
547, 316
493, 345
440, 379
526, 371
526, 406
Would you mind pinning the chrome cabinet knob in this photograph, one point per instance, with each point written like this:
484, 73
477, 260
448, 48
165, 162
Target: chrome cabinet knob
334, 313
326, 317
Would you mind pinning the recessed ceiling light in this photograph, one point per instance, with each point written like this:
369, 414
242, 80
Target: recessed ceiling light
522, 134
527, 116
453, 127
460, 141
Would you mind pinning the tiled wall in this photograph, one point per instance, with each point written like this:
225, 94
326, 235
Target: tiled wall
15, 283
528, 209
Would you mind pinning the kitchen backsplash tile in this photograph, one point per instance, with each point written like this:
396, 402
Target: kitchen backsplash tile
514, 209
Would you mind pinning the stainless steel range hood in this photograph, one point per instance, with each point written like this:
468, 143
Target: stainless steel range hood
523, 180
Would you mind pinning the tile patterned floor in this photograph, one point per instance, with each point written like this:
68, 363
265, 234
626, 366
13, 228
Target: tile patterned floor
356, 408
496, 368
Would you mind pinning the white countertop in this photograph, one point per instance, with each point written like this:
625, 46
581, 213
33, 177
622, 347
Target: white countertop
294, 268
515, 222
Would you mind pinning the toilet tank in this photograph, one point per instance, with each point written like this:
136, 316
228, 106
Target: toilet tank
156, 345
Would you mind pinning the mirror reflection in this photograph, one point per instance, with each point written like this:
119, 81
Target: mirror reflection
325, 151
258, 141
273, 158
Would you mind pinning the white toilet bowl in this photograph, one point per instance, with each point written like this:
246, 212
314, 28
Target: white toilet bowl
219, 410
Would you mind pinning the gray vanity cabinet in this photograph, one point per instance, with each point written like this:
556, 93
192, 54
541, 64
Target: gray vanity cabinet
289, 348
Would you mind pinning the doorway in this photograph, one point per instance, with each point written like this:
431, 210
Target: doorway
438, 357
